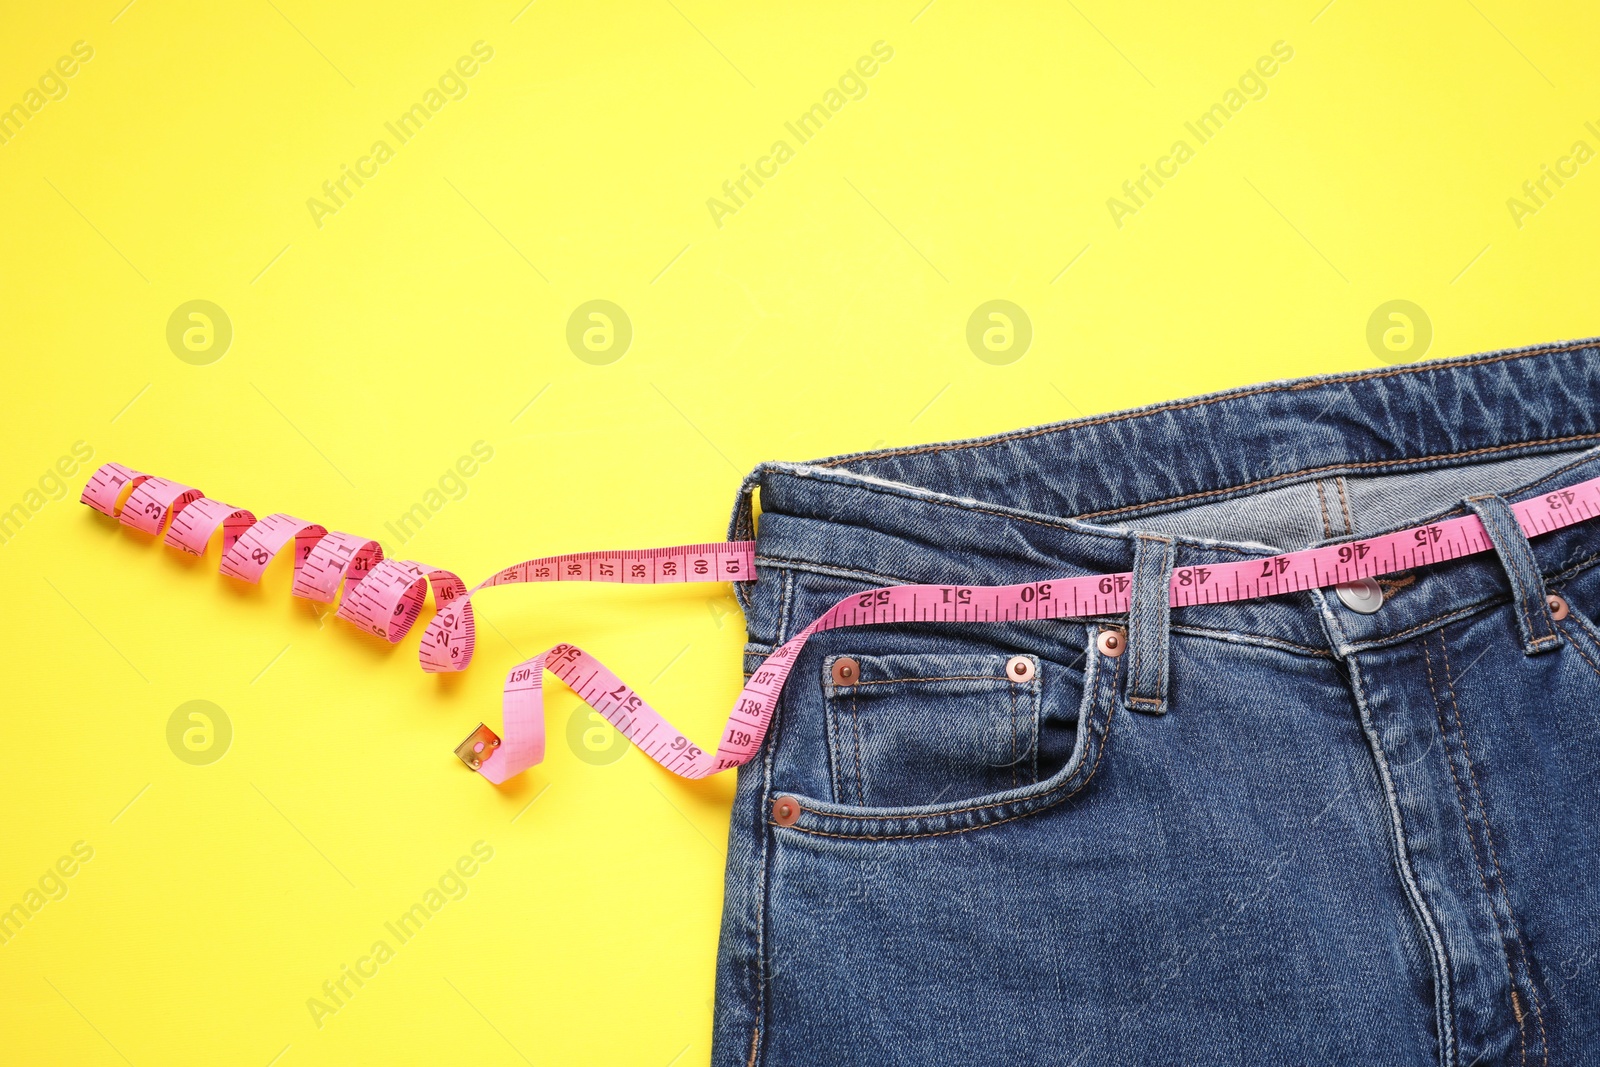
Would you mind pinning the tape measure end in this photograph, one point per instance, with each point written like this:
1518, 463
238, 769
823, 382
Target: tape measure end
479, 746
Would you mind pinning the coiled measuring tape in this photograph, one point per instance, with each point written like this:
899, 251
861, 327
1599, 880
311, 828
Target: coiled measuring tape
385, 597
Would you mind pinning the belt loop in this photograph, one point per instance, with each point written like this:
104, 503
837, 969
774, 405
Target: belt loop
1538, 629
742, 527
1149, 612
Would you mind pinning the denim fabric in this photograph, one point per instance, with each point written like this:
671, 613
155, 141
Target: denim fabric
1349, 838
1534, 620
1149, 623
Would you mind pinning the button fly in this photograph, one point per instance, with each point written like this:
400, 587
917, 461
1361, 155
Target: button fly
1020, 669
1363, 597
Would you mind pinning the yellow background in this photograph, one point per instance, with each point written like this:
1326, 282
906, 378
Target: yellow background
827, 314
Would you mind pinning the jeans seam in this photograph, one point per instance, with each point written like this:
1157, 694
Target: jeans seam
1574, 569
932, 678
1037, 725
1206, 402
1322, 499
765, 887
1427, 624
785, 600
1551, 476
1472, 839
1442, 968
1347, 466
1161, 504
855, 729
1344, 502
1578, 648
834, 755
1243, 637
1494, 854
1071, 524
1013, 737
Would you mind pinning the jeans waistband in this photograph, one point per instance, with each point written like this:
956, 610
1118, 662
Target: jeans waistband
1071, 498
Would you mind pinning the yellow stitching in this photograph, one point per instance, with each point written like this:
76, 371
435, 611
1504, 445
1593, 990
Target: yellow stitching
1472, 839
1327, 527
1449, 616
1579, 650
1362, 465
1100, 750
1488, 834
835, 756
861, 785
930, 678
1349, 525
1013, 737
1573, 570
1182, 405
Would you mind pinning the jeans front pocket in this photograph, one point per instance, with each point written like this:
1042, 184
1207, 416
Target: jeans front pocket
912, 729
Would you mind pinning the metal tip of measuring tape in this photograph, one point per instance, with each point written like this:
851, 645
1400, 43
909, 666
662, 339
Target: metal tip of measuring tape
479, 746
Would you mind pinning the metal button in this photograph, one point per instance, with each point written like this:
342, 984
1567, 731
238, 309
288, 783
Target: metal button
786, 811
1558, 607
1112, 643
846, 671
1364, 597
1020, 668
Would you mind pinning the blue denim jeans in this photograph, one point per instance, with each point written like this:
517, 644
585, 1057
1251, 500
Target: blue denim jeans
1283, 831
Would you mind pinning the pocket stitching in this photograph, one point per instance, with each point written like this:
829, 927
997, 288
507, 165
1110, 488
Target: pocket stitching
948, 811
1046, 806
835, 779
833, 690
935, 678
1013, 766
861, 785
1097, 723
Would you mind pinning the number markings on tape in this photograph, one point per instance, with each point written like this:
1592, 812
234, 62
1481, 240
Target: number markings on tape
386, 597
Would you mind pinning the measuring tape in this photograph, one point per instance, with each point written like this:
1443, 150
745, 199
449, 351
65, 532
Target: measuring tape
385, 597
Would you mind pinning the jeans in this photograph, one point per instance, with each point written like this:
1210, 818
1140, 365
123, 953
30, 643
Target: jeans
1280, 831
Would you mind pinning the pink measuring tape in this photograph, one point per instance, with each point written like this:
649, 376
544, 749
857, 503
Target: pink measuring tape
386, 597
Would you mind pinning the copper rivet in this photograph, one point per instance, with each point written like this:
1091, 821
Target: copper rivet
1020, 669
1112, 643
1558, 607
786, 811
846, 671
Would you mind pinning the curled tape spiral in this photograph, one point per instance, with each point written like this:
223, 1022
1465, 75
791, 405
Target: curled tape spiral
386, 597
